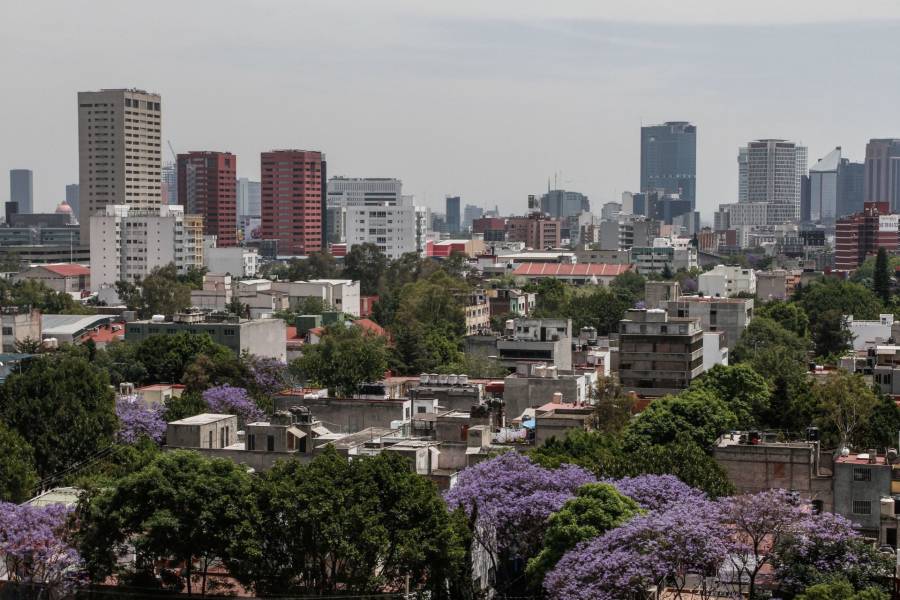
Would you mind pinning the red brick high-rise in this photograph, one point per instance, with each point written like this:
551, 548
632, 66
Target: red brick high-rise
293, 200
206, 186
861, 235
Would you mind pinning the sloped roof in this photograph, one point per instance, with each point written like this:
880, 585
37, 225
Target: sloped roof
67, 270
829, 162
562, 270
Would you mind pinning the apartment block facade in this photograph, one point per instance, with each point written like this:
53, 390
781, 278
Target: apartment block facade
293, 200
207, 187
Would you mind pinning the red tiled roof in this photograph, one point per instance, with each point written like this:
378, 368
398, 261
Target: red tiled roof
370, 326
564, 270
105, 334
67, 270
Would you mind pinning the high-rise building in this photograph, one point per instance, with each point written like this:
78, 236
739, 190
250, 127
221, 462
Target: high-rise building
470, 213
560, 204
169, 188
743, 192
669, 159
119, 151
423, 228
535, 231
390, 227
21, 190
293, 200
248, 198
774, 169
452, 214
364, 191
861, 235
835, 188
882, 183
206, 185
128, 242
72, 198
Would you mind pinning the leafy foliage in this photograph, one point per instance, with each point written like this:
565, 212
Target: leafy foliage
225, 399
18, 478
160, 292
36, 294
699, 414
343, 360
365, 263
165, 358
137, 420
35, 546
744, 391
789, 315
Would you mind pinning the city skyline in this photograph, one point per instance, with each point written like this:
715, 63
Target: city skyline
505, 143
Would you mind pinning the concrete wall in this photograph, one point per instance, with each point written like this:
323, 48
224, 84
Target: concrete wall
197, 436
846, 491
265, 337
520, 393
343, 415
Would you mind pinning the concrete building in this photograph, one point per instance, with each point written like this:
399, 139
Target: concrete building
870, 333
658, 354
238, 261
470, 213
478, 313
655, 259
883, 362
390, 227
452, 214
657, 293
262, 337
77, 329
861, 235
341, 294
775, 285
65, 278
535, 231
862, 481
836, 188
757, 464
773, 171
72, 199
512, 302
204, 431
715, 350
169, 184
206, 187
532, 385
128, 242
882, 172
669, 159
17, 324
21, 190
537, 341
731, 315
561, 204
249, 198
119, 152
293, 200
726, 281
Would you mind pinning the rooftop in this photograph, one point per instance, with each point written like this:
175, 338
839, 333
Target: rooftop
67, 270
564, 270
861, 458
52, 325
67, 496
201, 419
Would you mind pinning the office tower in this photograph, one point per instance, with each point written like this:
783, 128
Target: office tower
128, 242
21, 190
835, 188
743, 193
293, 200
452, 214
364, 191
560, 204
861, 235
536, 231
669, 159
610, 211
72, 198
774, 169
248, 198
470, 213
882, 183
206, 186
391, 227
119, 151
423, 228
169, 189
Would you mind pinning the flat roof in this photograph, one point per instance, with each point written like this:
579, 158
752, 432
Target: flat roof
71, 324
360, 437
201, 419
67, 496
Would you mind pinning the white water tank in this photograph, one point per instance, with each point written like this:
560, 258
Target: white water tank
452, 379
540, 371
423, 379
887, 507
158, 318
557, 397
442, 379
552, 372
463, 380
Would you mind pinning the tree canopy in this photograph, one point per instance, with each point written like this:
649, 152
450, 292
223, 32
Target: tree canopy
344, 359
161, 292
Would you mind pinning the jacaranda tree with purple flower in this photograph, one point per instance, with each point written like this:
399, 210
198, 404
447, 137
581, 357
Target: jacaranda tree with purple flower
657, 492
657, 549
35, 546
267, 374
512, 499
226, 399
137, 419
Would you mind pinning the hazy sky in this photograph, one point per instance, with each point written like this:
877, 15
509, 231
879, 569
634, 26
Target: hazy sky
483, 99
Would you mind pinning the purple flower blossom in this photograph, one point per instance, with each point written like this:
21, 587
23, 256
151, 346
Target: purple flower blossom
514, 498
660, 546
268, 373
137, 419
34, 547
657, 492
226, 399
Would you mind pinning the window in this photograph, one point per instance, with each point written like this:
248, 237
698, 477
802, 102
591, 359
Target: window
7, 331
862, 474
210, 439
251, 442
862, 507
270, 443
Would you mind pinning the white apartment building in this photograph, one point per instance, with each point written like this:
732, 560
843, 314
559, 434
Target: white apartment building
119, 151
341, 294
128, 242
391, 228
423, 228
364, 191
769, 171
727, 281
665, 252
237, 261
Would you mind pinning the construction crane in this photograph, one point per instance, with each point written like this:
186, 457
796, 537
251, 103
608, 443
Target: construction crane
172, 150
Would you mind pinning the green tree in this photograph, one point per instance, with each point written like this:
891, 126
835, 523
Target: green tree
36, 294
880, 429
742, 389
318, 265
844, 404
236, 307
595, 509
166, 357
160, 292
698, 414
367, 264
761, 337
881, 281
552, 298
182, 506
193, 277
63, 407
789, 315
598, 307
343, 360
119, 361
831, 294
188, 404
18, 478
830, 333
841, 590
632, 283
354, 527
613, 408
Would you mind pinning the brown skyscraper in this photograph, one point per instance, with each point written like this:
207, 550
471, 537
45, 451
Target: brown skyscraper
118, 151
882, 183
206, 187
293, 200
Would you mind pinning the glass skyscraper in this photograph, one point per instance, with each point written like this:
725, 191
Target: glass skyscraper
669, 159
